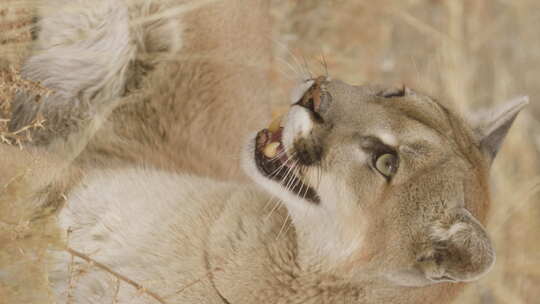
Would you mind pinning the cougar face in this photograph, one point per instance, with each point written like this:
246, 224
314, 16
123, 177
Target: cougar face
383, 181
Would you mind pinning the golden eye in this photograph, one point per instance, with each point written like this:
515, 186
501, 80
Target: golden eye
387, 164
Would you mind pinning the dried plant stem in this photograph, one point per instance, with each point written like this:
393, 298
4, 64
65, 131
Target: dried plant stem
116, 290
421, 26
119, 276
71, 281
208, 274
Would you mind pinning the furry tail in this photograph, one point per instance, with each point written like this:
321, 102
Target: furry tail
89, 53
82, 54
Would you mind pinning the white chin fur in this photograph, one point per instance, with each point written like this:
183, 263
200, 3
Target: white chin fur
324, 240
297, 123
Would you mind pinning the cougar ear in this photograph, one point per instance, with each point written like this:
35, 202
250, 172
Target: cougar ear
491, 129
460, 250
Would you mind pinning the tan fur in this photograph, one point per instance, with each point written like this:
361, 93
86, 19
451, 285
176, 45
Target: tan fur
201, 128
161, 199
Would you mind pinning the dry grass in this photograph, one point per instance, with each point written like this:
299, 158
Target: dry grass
471, 53
11, 83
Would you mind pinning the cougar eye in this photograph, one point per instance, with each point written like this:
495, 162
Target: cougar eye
387, 164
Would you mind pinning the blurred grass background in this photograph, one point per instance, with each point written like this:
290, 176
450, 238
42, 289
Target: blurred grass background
473, 54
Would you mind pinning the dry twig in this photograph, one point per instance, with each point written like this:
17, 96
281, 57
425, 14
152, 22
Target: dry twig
119, 276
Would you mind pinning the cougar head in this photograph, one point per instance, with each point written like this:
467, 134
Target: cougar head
385, 182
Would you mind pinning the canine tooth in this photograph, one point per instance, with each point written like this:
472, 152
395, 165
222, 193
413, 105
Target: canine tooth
270, 150
275, 124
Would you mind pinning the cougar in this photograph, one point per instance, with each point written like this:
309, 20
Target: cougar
357, 194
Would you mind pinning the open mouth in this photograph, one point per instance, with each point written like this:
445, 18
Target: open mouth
274, 163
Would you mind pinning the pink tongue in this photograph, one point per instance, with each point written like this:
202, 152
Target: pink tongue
276, 136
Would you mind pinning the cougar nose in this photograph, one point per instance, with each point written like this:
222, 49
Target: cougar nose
316, 99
